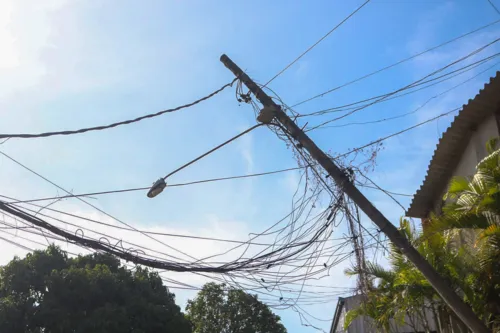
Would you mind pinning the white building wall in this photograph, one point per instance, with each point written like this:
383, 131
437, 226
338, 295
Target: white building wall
473, 153
466, 167
476, 149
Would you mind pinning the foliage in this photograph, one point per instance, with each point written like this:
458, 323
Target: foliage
217, 309
400, 293
48, 292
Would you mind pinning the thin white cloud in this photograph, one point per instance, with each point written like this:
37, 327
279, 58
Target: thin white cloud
246, 148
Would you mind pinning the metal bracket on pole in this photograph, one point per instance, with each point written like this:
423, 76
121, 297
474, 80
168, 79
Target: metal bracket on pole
266, 115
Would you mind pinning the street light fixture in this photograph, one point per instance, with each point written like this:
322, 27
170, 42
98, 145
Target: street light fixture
157, 188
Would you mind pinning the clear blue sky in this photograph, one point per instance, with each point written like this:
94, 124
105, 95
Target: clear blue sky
71, 64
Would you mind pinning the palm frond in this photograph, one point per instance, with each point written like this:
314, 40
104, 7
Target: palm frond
492, 144
351, 315
457, 186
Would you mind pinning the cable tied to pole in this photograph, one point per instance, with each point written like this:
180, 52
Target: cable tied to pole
120, 123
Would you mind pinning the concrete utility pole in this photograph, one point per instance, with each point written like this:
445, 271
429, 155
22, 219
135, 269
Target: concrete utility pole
462, 310
358, 244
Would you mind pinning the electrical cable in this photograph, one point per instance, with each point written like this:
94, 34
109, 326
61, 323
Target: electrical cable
14, 202
417, 109
251, 265
17, 244
315, 44
382, 190
120, 123
446, 77
398, 133
410, 85
89, 204
396, 63
97, 245
392, 193
148, 187
138, 259
213, 179
304, 299
494, 7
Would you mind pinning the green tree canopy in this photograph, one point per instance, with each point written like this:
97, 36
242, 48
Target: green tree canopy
218, 310
48, 292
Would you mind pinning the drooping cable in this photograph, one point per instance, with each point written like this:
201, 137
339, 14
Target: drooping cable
120, 123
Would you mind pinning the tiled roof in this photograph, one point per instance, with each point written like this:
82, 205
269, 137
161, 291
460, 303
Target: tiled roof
452, 145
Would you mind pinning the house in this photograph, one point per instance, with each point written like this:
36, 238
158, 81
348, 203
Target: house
365, 324
460, 148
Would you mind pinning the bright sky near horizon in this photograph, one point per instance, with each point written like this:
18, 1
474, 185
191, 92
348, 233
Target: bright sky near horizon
71, 64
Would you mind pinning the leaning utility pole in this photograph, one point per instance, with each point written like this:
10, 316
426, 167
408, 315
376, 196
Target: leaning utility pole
270, 111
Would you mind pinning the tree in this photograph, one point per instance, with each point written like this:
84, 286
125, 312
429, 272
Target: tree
49, 292
216, 309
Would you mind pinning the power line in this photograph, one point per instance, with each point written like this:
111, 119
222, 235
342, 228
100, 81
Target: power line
17, 244
384, 191
417, 109
445, 77
148, 187
134, 256
70, 195
232, 177
247, 264
393, 193
398, 133
82, 195
128, 229
307, 298
97, 244
315, 294
93, 206
494, 7
411, 84
251, 263
396, 63
315, 44
125, 122
80, 230
17, 228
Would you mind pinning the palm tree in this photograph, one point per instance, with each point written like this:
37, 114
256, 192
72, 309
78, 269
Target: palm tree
400, 294
472, 214
462, 244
